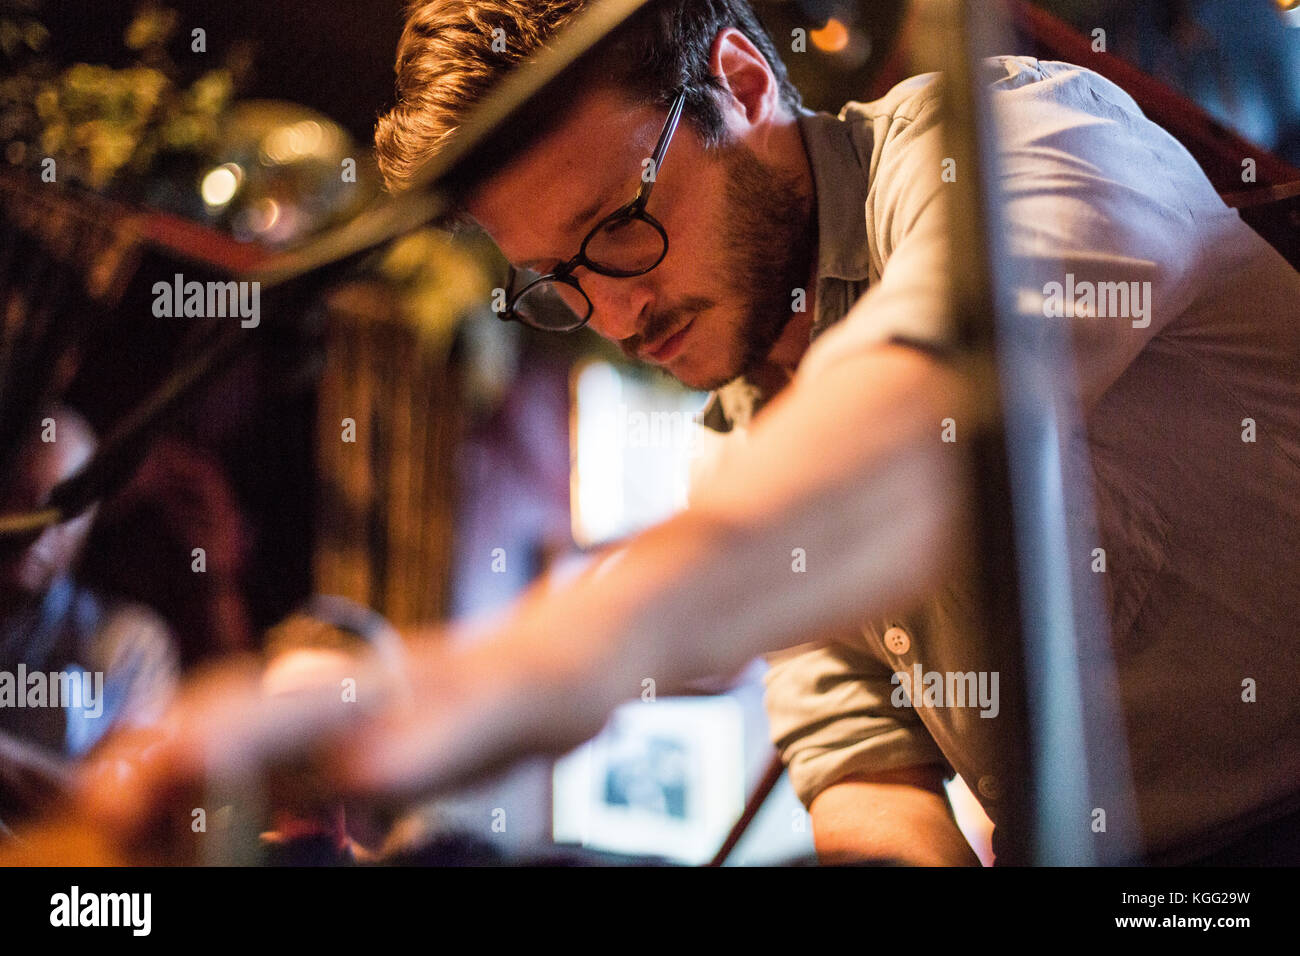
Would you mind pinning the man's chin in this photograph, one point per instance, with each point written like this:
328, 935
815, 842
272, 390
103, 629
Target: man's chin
698, 379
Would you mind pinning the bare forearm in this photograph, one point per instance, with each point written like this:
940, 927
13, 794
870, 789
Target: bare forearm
864, 490
876, 820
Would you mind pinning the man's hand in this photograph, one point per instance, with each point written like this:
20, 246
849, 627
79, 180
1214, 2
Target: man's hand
143, 785
335, 727
900, 815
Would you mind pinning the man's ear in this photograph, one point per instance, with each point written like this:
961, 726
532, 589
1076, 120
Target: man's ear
752, 96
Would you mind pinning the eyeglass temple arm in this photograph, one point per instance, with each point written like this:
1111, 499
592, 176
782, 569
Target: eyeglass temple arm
512, 275
657, 157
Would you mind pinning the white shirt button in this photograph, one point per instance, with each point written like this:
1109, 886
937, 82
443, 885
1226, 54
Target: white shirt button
897, 641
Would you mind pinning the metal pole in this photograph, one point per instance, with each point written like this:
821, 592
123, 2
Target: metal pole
1065, 752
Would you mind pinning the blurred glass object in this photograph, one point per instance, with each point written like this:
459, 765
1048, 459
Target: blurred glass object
281, 172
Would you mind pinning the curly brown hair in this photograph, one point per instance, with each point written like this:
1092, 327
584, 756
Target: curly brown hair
453, 51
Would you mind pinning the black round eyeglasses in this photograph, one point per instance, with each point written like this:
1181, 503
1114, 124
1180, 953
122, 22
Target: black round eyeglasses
628, 242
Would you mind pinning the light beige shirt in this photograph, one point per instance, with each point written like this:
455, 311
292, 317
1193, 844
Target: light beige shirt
1191, 433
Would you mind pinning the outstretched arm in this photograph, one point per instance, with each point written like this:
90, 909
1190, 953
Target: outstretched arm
849, 467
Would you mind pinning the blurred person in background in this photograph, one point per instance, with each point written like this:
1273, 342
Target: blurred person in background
53, 623
142, 547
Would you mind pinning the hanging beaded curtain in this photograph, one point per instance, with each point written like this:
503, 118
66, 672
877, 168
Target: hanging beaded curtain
390, 418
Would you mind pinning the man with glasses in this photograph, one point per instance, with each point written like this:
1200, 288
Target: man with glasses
795, 263
768, 214
761, 251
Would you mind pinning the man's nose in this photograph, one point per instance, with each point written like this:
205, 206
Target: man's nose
617, 304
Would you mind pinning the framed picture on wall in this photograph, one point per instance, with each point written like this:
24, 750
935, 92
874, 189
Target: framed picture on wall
663, 778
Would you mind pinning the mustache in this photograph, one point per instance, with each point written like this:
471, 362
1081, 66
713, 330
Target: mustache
661, 323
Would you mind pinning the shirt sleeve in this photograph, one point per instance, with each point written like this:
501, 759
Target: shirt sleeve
1096, 201
831, 716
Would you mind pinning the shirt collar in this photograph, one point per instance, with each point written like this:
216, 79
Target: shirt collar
841, 184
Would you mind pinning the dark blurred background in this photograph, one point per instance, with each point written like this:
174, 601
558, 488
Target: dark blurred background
482, 455
1235, 57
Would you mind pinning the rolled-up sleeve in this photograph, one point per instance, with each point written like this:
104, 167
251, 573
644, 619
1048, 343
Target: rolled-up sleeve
830, 714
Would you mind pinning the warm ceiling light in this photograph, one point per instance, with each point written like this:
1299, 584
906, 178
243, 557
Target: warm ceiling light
831, 38
220, 185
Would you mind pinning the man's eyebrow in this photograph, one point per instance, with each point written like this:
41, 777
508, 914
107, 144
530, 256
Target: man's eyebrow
580, 220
